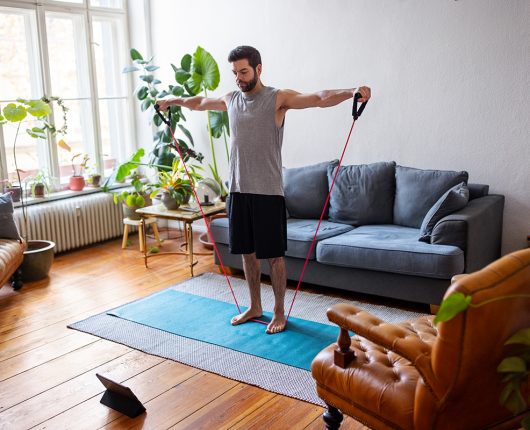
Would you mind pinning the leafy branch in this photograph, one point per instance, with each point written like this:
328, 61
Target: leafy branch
147, 93
200, 73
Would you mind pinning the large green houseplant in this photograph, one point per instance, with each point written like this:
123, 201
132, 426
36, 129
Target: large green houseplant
199, 73
147, 92
39, 254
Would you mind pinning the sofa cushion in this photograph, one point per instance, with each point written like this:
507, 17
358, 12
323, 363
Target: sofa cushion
454, 199
417, 190
306, 189
391, 248
362, 194
300, 234
478, 190
8, 227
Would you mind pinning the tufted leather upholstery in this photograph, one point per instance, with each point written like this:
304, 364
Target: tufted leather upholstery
413, 375
11, 256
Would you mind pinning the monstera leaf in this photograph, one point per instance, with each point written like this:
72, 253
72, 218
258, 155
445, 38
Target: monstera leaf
218, 122
204, 71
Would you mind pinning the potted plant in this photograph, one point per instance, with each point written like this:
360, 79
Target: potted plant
39, 183
175, 186
39, 254
132, 200
77, 180
94, 177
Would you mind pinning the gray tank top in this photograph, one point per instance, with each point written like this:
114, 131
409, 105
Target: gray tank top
256, 143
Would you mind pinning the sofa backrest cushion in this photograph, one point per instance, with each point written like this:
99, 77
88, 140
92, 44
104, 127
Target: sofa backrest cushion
418, 190
478, 190
362, 194
454, 199
8, 227
306, 189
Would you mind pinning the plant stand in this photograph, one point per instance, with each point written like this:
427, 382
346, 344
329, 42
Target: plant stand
138, 223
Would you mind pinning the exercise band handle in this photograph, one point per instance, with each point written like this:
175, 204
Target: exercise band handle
162, 117
356, 113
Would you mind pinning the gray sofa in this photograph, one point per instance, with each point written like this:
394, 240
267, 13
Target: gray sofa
389, 230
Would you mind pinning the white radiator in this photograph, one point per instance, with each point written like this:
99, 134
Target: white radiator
74, 222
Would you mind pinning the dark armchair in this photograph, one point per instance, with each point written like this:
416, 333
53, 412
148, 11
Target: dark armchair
415, 375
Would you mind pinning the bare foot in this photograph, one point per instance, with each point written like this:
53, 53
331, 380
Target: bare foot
247, 315
277, 324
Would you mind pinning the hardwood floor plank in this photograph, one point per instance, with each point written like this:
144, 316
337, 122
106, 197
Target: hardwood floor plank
21, 344
44, 353
76, 390
177, 403
91, 414
227, 410
55, 372
281, 413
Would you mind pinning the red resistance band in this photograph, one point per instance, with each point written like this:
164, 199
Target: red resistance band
355, 113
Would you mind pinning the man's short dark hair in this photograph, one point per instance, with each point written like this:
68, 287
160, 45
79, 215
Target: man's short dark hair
245, 52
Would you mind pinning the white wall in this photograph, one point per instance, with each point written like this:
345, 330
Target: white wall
450, 80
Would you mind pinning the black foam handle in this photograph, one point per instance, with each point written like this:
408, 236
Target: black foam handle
356, 112
162, 117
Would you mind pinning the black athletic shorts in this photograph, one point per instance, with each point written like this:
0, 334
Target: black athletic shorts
257, 223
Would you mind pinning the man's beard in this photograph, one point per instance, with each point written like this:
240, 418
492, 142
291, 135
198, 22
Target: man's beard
249, 86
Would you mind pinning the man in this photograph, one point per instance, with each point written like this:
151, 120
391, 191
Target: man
256, 206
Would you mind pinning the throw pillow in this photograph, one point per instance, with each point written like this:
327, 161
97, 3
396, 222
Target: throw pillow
454, 199
306, 189
418, 190
8, 227
362, 194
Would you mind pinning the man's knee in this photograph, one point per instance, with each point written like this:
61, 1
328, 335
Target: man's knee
249, 258
277, 261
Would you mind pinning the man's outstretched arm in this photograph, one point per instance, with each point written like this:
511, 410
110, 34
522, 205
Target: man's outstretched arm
195, 103
289, 99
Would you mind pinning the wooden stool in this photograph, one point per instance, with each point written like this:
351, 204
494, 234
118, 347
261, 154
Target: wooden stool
138, 223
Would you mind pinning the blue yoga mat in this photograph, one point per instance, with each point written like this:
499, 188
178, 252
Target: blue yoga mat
208, 320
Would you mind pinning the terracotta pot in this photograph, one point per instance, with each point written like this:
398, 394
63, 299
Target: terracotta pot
77, 183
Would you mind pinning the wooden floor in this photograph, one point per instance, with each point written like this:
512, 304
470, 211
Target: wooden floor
47, 372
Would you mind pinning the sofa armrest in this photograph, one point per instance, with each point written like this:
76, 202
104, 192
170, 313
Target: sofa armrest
393, 337
476, 229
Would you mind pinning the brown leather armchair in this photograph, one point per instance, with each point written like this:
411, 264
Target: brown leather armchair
414, 375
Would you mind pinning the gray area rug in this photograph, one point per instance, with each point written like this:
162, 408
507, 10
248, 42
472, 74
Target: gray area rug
269, 375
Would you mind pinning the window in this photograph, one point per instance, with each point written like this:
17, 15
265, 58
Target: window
76, 53
20, 75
